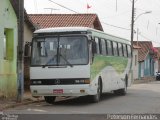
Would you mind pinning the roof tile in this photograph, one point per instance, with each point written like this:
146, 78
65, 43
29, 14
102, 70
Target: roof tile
145, 47
62, 20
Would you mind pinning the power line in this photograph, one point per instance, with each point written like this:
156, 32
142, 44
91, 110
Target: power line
117, 15
116, 26
51, 9
102, 22
149, 39
63, 6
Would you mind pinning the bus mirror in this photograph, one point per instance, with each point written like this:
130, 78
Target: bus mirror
94, 50
90, 37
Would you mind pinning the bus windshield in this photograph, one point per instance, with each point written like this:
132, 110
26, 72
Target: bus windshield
56, 51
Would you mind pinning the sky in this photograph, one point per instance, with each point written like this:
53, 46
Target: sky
114, 15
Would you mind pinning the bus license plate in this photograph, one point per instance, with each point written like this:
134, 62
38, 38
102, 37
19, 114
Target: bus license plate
58, 91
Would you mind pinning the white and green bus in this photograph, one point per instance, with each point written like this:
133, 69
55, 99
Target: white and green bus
79, 61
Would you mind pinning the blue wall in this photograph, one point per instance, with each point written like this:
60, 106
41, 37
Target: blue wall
147, 66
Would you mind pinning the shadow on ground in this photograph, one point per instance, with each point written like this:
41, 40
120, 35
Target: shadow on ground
84, 100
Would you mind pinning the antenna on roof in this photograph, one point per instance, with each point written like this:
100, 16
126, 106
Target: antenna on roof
52, 9
63, 6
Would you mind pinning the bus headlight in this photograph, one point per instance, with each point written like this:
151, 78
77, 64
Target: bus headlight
36, 82
85, 81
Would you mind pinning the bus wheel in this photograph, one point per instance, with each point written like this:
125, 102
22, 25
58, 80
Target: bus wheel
50, 99
122, 91
96, 98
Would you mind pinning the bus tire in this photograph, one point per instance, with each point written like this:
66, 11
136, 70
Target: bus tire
122, 91
96, 98
50, 99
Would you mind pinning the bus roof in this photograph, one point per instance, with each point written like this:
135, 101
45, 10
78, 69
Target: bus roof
74, 29
61, 29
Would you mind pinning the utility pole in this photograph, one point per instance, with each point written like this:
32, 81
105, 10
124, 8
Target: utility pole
132, 25
137, 35
20, 48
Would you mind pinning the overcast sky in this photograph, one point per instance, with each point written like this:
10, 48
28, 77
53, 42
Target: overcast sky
110, 15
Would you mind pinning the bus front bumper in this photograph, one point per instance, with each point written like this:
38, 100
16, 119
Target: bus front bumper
63, 90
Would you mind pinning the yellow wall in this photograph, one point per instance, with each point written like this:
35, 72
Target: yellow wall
8, 65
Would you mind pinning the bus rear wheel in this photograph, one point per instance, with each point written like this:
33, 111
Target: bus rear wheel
122, 91
96, 98
50, 99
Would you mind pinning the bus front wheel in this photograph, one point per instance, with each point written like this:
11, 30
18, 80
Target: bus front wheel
50, 99
96, 98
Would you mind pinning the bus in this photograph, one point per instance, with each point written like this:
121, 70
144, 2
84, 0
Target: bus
79, 61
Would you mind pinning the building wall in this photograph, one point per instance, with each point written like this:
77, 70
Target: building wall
159, 64
135, 64
27, 38
27, 33
141, 69
147, 67
8, 50
156, 66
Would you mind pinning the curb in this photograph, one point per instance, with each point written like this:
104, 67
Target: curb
142, 81
19, 104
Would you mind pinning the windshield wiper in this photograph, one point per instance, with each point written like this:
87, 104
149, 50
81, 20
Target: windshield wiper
66, 60
52, 59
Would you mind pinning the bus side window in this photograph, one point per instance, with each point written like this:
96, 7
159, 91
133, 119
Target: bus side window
120, 49
106, 47
94, 47
115, 52
124, 50
97, 45
103, 47
117, 49
112, 48
109, 47
100, 46
129, 50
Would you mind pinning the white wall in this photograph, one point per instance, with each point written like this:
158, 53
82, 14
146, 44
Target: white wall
27, 34
156, 67
135, 64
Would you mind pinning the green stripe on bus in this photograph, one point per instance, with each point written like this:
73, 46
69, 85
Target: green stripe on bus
100, 62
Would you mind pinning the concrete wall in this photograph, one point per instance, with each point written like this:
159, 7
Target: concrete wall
27, 33
147, 67
159, 64
135, 64
8, 66
156, 66
141, 69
